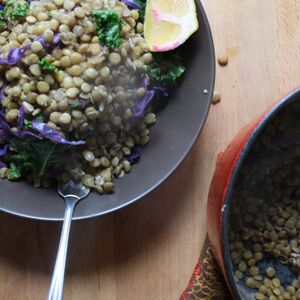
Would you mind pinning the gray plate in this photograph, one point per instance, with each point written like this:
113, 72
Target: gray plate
172, 137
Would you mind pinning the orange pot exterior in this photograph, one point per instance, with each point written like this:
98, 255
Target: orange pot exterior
218, 189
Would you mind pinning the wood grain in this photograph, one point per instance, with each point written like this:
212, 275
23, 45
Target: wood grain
148, 251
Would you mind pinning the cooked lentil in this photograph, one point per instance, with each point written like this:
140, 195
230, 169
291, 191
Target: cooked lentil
223, 59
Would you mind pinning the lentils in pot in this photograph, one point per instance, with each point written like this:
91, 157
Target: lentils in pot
264, 230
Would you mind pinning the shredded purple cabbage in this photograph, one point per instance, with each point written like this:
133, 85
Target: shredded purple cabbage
56, 41
2, 90
82, 103
16, 54
3, 150
3, 135
3, 123
162, 89
135, 155
24, 133
52, 135
27, 133
145, 82
2, 165
132, 4
21, 118
5, 130
141, 105
103, 48
44, 131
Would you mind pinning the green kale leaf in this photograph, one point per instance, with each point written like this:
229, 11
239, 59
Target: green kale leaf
33, 156
13, 10
46, 66
2, 21
108, 25
16, 10
40, 117
165, 69
75, 106
142, 4
14, 173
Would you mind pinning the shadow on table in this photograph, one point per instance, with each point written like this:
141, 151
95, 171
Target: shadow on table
97, 244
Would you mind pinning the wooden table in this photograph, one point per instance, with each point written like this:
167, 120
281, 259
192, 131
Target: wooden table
148, 251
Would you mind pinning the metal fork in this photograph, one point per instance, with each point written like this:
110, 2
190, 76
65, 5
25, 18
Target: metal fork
72, 193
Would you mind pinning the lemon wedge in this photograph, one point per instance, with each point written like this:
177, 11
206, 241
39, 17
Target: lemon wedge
169, 23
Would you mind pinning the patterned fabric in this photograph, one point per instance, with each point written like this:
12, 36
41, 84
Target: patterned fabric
207, 282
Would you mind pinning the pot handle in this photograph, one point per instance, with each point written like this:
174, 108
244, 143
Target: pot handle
207, 281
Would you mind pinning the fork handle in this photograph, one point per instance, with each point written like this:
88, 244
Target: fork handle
57, 282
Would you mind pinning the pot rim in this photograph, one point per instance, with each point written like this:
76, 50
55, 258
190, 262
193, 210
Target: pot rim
238, 162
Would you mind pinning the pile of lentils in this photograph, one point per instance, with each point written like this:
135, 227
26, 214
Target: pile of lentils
107, 81
264, 230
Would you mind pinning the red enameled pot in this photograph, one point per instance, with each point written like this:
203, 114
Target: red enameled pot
228, 164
